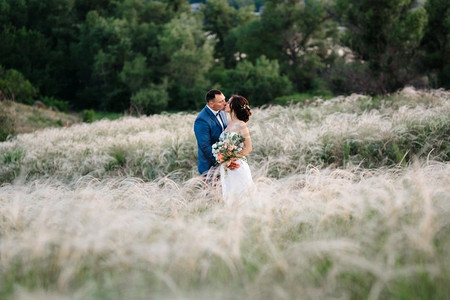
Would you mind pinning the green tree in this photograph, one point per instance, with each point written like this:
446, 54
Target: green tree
436, 41
219, 19
103, 48
189, 55
260, 82
35, 38
121, 54
105, 8
29, 52
385, 34
83, 51
14, 86
135, 73
298, 34
153, 99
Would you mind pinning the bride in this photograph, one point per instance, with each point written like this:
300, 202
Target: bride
237, 182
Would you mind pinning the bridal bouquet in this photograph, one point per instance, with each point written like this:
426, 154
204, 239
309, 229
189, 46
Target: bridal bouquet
228, 147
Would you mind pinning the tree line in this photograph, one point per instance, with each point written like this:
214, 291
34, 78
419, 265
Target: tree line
149, 56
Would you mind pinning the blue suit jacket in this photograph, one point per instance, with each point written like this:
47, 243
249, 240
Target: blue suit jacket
207, 131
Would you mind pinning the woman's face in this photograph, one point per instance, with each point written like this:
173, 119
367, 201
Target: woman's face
227, 107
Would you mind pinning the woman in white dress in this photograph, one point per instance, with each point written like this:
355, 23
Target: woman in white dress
238, 183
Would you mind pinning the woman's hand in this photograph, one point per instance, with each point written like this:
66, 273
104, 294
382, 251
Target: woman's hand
233, 165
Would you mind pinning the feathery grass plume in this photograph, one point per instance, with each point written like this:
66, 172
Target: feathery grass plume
351, 233
115, 209
336, 133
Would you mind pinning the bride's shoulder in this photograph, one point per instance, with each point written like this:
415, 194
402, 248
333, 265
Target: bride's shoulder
241, 127
237, 126
240, 124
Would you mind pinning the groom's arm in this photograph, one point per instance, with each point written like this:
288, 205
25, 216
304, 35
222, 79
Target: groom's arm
203, 135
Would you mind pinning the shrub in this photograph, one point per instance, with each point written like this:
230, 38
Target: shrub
355, 77
15, 86
260, 83
150, 100
88, 115
55, 103
119, 158
7, 125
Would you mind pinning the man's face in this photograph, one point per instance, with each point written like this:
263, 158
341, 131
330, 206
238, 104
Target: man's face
218, 103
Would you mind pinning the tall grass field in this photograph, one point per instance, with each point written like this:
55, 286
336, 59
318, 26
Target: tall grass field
352, 201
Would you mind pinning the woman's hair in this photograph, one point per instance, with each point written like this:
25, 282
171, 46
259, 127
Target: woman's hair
239, 105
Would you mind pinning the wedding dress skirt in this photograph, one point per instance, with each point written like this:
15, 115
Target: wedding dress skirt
236, 184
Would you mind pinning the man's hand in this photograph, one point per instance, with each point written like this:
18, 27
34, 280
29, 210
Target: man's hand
233, 165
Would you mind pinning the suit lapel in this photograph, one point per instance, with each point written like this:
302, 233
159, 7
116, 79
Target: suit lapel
214, 118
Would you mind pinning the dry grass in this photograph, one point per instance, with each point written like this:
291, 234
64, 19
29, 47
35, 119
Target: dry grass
339, 132
70, 228
28, 119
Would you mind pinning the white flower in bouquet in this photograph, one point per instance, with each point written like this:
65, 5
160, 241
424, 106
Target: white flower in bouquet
228, 148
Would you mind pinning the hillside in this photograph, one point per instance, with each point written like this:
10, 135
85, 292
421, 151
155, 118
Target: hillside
26, 119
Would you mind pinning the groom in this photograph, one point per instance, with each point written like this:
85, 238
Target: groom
208, 126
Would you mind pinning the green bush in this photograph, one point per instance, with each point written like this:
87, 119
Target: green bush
150, 100
11, 161
119, 159
107, 115
355, 77
88, 115
16, 87
55, 103
260, 83
7, 125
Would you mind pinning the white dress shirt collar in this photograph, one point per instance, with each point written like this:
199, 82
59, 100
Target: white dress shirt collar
214, 111
219, 118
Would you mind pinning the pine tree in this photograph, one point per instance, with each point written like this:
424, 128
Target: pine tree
385, 34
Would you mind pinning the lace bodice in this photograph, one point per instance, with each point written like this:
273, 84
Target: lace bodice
235, 127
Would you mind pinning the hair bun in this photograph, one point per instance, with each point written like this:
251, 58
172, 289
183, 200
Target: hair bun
239, 105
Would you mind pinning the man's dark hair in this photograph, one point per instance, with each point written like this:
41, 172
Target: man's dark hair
211, 95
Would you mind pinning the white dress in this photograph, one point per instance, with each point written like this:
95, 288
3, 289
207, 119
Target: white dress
237, 184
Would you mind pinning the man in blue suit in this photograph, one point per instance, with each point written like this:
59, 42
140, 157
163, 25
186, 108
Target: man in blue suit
208, 126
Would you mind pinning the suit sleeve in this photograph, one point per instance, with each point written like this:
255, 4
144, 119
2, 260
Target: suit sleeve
203, 135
